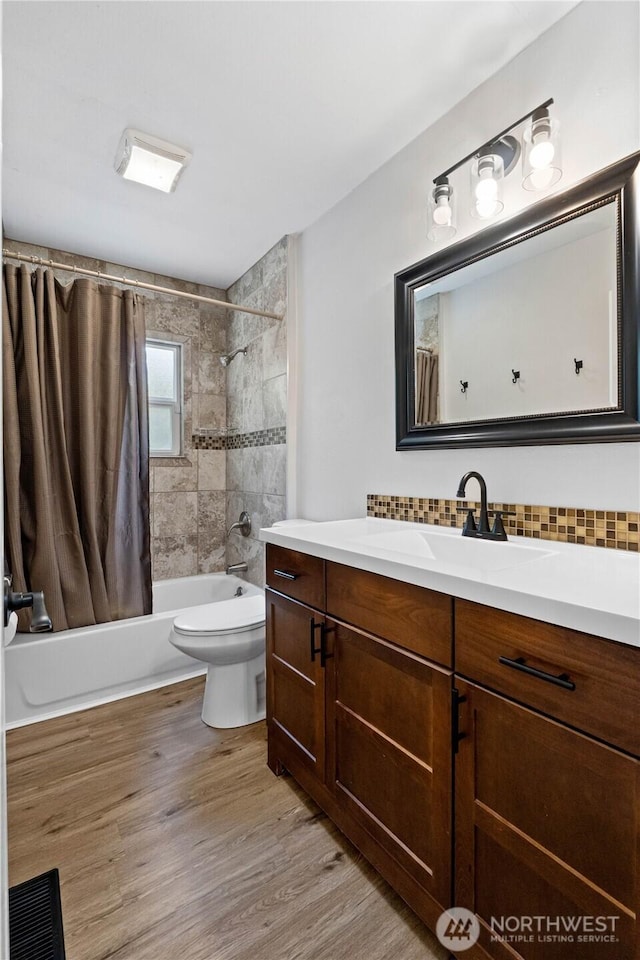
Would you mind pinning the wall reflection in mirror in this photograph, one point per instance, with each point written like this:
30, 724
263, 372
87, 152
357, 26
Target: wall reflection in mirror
545, 309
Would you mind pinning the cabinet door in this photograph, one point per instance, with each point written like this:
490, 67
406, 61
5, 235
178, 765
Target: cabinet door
389, 751
295, 688
547, 830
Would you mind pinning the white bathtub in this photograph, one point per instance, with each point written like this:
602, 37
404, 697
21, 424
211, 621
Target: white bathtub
50, 674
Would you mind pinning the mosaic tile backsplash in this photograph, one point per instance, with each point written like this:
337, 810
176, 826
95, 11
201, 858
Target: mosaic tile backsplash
238, 441
596, 528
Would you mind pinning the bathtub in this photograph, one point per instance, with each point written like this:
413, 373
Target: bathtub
47, 675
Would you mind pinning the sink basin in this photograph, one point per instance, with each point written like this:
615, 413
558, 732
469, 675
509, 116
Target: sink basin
482, 556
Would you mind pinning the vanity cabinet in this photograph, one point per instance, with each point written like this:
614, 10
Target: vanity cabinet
547, 817
535, 736
359, 712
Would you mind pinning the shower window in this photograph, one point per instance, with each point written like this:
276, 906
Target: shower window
164, 378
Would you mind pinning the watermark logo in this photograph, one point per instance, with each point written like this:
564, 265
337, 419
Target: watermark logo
554, 929
457, 929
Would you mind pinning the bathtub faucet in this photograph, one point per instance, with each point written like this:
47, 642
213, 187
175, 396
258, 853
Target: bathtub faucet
40, 619
243, 525
240, 567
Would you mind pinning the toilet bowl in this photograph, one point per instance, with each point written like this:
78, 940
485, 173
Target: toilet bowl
229, 636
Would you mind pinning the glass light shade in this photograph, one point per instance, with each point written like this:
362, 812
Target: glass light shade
150, 160
542, 163
441, 214
487, 177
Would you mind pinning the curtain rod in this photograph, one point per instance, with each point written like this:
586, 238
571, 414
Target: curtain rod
25, 258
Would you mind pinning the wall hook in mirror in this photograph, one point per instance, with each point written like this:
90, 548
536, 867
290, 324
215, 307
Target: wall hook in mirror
464, 384
579, 365
516, 375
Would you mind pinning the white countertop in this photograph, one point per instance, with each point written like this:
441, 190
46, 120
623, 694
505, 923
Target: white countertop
592, 589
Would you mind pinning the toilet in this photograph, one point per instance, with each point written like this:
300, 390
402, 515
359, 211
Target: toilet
229, 636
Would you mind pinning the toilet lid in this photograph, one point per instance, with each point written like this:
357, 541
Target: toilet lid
225, 616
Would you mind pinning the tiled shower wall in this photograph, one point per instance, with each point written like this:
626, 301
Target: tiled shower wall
187, 493
257, 407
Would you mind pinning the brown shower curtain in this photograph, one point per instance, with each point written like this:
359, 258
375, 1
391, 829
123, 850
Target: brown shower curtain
76, 449
426, 386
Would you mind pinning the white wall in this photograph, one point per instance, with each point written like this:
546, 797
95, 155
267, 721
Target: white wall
589, 63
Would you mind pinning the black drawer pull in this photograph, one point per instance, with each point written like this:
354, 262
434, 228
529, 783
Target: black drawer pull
286, 574
521, 664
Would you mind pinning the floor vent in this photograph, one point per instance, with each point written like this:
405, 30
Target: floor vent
35, 919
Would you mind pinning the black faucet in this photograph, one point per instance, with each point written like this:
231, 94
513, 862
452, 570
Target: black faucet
40, 619
481, 530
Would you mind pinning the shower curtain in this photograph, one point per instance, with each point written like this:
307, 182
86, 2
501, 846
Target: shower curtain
426, 386
76, 448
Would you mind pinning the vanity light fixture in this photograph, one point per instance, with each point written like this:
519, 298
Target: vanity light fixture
150, 160
441, 214
487, 175
491, 163
542, 164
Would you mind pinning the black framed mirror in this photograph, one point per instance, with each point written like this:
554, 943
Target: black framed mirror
527, 333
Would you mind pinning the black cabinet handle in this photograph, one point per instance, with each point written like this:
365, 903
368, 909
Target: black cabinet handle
520, 664
322, 649
313, 626
324, 654
456, 735
286, 574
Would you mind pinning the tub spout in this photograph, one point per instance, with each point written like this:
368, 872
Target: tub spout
240, 567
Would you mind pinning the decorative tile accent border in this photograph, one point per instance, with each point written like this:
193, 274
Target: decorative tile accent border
258, 438
596, 528
203, 442
235, 441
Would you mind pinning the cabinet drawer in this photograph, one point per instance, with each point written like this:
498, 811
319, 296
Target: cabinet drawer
413, 617
585, 681
296, 574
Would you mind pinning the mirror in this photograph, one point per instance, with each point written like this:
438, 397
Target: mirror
546, 309
527, 332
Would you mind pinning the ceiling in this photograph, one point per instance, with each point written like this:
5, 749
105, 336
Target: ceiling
286, 106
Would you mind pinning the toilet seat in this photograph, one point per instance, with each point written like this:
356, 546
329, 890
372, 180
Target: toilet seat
238, 615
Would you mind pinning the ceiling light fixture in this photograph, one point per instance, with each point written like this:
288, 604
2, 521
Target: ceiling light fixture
149, 160
491, 163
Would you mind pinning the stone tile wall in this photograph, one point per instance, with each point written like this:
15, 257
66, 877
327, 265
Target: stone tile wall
257, 406
187, 493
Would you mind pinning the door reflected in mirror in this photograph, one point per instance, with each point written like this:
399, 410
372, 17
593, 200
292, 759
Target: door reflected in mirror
531, 330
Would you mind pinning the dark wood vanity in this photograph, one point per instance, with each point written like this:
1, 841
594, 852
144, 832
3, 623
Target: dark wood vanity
477, 758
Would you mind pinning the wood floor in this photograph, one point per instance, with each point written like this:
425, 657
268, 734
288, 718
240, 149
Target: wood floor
175, 842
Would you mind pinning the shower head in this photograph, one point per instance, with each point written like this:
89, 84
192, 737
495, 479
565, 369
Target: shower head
226, 360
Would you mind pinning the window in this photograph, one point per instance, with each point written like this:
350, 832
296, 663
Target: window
164, 378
